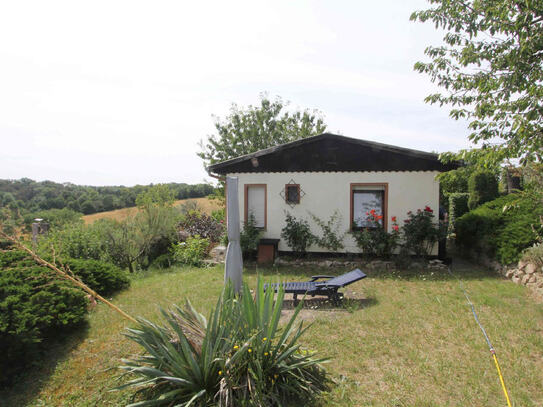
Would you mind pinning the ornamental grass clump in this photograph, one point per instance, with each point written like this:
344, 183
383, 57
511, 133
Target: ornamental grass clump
239, 356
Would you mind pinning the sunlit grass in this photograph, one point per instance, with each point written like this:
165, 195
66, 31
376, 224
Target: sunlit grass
415, 342
205, 204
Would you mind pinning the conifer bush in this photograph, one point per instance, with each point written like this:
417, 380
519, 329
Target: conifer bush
35, 307
500, 229
104, 278
482, 187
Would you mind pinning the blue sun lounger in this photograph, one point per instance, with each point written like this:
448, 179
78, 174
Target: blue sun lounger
313, 287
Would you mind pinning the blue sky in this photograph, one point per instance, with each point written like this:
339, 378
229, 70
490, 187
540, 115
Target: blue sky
121, 92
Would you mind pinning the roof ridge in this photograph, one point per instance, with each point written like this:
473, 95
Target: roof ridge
418, 154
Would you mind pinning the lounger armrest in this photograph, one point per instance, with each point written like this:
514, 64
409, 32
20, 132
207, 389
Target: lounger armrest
315, 278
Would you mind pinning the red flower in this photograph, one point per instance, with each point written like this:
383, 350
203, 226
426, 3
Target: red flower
395, 227
406, 220
372, 211
428, 209
379, 217
394, 219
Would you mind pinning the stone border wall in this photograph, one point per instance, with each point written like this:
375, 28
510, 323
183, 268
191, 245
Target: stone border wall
527, 274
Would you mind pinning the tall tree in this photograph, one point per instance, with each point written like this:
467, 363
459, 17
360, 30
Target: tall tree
246, 130
491, 70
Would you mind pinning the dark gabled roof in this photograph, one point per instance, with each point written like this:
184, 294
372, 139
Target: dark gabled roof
330, 152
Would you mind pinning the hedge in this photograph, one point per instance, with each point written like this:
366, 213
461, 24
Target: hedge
499, 234
482, 187
458, 205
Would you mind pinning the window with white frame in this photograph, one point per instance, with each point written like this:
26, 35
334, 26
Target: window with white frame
255, 204
368, 205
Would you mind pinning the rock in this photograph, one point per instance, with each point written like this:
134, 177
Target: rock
510, 273
525, 278
389, 265
522, 264
530, 268
182, 235
218, 253
515, 279
280, 262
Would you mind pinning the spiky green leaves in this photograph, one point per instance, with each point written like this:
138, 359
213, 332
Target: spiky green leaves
240, 355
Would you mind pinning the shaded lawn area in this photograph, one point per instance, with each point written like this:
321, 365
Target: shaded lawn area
411, 341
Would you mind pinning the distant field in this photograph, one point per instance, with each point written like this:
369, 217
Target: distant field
204, 204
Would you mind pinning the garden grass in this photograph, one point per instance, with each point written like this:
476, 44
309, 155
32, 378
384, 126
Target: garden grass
413, 342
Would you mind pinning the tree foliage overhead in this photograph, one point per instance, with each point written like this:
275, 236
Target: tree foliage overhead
246, 130
491, 70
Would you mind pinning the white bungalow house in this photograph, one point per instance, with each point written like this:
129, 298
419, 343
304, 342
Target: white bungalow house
328, 172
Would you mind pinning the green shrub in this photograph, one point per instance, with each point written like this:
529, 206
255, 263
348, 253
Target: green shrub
55, 217
192, 252
76, 241
482, 187
458, 205
238, 357
35, 306
421, 232
189, 206
219, 215
331, 238
104, 278
249, 236
297, 234
501, 228
375, 241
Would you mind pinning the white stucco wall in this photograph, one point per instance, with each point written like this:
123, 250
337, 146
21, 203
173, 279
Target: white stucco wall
327, 191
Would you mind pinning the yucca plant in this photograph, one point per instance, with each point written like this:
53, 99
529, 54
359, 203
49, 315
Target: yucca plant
239, 357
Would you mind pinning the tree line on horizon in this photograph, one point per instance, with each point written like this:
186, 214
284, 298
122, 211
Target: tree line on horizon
31, 196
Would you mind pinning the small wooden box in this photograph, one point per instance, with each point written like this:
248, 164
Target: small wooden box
267, 250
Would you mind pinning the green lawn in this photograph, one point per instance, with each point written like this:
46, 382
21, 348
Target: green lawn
411, 342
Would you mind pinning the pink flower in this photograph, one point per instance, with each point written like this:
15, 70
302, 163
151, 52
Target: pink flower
395, 227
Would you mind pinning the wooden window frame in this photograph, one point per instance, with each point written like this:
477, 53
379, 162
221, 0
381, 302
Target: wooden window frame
360, 186
287, 186
246, 203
